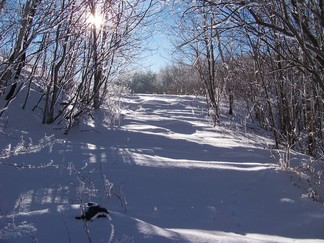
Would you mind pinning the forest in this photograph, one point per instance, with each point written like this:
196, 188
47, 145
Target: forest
80, 54
225, 142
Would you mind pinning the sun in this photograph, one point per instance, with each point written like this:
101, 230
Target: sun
95, 20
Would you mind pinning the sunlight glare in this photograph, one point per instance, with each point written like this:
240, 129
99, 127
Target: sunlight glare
95, 20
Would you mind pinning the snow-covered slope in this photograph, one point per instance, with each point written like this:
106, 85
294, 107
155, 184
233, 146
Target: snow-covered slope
165, 175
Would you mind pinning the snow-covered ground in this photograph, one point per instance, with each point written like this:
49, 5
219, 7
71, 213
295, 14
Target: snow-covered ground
165, 175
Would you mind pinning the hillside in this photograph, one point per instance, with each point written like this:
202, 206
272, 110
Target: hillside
165, 174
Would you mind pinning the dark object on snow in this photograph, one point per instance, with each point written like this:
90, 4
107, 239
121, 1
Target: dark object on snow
93, 211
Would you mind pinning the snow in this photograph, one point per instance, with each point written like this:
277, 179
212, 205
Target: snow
165, 175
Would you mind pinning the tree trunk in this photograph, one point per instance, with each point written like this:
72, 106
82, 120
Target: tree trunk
18, 56
310, 123
231, 101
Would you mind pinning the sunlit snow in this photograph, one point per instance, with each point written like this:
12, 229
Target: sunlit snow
165, 174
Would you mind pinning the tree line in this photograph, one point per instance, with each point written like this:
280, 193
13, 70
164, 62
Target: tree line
72, 50
269, 54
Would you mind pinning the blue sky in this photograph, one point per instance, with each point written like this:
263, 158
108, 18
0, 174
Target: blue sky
160, 54
159, 47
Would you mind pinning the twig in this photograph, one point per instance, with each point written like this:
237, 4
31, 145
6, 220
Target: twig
86, 229
66, 227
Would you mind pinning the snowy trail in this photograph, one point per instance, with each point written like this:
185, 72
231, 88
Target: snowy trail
206, 178
182, 180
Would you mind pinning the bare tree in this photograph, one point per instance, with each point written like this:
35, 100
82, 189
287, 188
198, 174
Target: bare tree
16, 61
200, 40
291, 33
278, 51
76, 48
